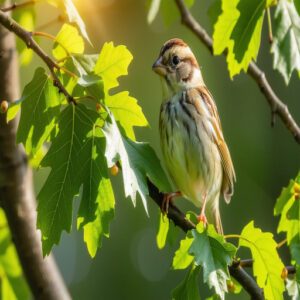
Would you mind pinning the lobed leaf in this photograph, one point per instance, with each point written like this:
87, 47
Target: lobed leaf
68, 42
112, 63
182, 258
189, 288
70, 151
267, 265
238, 29
127, 111
286, 44
214, 254
287, 205
40, 105
97, 189
138, 162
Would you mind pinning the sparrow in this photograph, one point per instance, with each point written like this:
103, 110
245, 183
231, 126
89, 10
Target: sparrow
194, 150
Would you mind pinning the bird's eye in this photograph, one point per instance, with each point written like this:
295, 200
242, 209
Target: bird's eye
175, 60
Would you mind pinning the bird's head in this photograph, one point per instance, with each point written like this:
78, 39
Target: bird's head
178, 66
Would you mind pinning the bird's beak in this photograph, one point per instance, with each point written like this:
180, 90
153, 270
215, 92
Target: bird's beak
159, 68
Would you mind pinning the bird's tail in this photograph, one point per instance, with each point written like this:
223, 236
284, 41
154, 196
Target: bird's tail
214, 217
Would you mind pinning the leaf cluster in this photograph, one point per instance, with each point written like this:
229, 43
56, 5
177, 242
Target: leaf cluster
80, 141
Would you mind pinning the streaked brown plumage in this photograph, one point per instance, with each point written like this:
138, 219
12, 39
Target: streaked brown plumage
193, 146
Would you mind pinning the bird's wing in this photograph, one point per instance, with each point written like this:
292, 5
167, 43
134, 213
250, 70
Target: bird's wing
228, 170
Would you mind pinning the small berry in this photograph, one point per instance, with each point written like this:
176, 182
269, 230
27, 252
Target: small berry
114, 170
98, 106
284, 273
4, 106
230, 286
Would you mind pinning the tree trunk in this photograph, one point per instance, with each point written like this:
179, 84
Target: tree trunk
16, 188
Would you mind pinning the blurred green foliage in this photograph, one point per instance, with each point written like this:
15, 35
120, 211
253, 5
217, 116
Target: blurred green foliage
129, 266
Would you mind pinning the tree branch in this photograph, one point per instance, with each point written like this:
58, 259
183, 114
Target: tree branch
277, 106
178, 217
17, 5
16, 189
26, 36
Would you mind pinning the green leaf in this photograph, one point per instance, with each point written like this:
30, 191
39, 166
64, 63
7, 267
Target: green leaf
170, 11
127, 111
267, 266
93, 231
138, 161
153, 10
73, 16
288, 206
163, 229
297, 5
214, 254
97, 187
238, 29
182, 258
286, 43
112, 63
215, 11
71, 150
248, 28
40, 106
68, 42
224, 26
25, 18
13, 109
13, 284
189, 288
284, 198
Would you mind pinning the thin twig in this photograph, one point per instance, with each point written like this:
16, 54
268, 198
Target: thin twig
277, 106
18, 5
26, 36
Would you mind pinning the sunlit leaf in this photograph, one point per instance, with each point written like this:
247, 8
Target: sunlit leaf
287, 206
40, 107
189, 288
214, 254
267, 266
138, 161
182, 258
13, 284
238, 29
25, 18
163, 229
112, 63
286, 44
70, 151
68, 42
127, 111
97, 190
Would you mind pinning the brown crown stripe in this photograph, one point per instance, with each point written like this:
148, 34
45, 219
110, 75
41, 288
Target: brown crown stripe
169, 44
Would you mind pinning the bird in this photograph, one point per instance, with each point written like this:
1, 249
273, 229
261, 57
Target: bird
193, 147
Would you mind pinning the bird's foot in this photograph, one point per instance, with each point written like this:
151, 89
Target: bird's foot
202, 218
166, 201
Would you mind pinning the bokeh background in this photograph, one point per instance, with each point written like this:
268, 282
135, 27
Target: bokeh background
129, 265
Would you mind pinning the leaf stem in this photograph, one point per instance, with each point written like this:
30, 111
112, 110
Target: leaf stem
269, 26
232, 236
18, 5
280, 244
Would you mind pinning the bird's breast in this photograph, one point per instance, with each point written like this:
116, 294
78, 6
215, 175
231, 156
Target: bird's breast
189, 153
